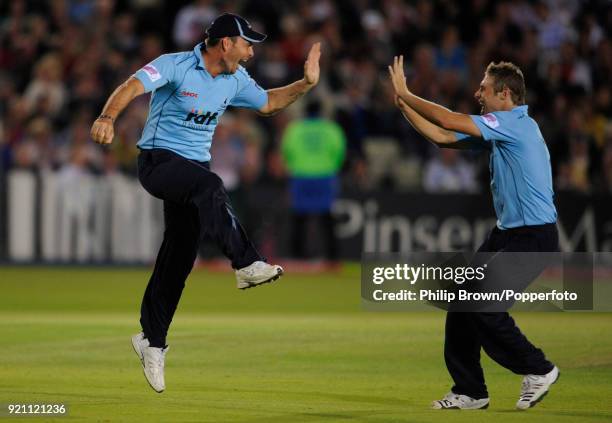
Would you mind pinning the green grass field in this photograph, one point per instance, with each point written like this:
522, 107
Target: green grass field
301, 350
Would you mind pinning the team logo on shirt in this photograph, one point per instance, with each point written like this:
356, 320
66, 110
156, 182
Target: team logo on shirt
151, 72
189, 94
490, 120
200, 118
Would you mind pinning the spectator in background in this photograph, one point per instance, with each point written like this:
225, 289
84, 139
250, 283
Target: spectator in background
293, 43
253, 140
236, 149
76, 197
448, 172
582, 155
574, 173
378, 35
552, 28
124, 37
74, 146
313, 150
597, 115
46, 93
60, 56
450, 56
190, 22
36, 151
575, 70
124, 149
273, 68
14, 129
228, 152
151, 46
423, 74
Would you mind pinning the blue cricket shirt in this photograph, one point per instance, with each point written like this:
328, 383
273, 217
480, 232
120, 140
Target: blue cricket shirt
521, 177
187, 102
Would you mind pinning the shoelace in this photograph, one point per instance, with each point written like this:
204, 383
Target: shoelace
529, 386
446, 401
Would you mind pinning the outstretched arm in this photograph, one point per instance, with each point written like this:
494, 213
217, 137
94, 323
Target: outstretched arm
441, 137
434, 113
279, 98
102, 130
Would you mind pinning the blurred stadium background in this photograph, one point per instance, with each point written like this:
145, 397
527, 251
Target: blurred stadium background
65, 199
303, 350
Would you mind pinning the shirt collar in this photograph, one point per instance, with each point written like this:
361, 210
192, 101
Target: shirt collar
197, 50
522, 110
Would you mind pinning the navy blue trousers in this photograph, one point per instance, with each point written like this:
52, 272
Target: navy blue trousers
196, 206
497, 333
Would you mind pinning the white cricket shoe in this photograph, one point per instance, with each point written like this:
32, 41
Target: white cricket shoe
452, 401
257, 273
152, 360
535, 387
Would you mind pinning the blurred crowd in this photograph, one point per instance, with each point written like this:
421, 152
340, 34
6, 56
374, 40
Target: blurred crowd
60, 60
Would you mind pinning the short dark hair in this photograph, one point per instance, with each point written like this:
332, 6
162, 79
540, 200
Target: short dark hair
212, 42
507, 74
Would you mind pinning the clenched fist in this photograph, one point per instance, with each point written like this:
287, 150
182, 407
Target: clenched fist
102, 130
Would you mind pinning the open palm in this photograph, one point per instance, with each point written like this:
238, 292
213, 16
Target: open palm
311, 66
398, 79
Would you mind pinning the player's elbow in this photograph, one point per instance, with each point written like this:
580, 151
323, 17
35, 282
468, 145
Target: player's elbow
442, 137
442, 143
267, 110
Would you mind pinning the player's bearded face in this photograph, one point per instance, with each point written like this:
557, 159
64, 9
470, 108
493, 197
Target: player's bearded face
240, 51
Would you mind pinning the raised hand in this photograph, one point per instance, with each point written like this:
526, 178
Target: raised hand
398, 79
311, 66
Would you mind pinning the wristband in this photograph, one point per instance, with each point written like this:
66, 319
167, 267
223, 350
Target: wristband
112, 119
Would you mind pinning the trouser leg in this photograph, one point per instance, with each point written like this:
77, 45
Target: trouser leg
462, 355
501, 338
504, 342
173, 178
195, 206
497, 332
218, 221
174, 263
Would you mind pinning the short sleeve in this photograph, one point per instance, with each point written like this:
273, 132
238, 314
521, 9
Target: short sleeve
158, 73
469, 142
496, 126
250, 94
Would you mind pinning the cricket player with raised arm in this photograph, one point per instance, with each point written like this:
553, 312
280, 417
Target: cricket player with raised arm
521, 185
190, 91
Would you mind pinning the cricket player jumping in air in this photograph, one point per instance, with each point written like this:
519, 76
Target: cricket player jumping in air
190, 91
521, 184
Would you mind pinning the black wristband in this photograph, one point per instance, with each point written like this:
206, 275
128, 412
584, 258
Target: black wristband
112, 119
